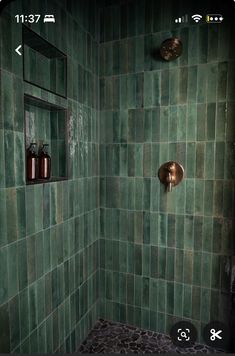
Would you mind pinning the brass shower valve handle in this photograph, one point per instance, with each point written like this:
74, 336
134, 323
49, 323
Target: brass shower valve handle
171, 174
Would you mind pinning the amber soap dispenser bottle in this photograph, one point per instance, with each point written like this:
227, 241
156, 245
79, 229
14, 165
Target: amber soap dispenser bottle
44, 163
32, 162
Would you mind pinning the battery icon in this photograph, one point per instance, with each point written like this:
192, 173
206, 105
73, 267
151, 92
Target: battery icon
214, 18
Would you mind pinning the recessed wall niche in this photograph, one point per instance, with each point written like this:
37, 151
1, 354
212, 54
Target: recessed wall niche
43, 64
46, 123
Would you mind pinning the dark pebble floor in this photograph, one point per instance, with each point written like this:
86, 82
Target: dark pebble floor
111, 337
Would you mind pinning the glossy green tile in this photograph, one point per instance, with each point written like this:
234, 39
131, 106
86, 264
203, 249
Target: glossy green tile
11, 215
13, 281
196, 302
187, 300
5, 329
197, 271
9, 163
14, 322
202, 83
188, 267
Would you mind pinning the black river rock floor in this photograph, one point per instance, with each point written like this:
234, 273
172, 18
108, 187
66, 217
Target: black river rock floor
112, 337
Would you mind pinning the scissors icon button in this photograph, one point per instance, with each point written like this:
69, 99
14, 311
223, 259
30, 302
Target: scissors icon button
215, 334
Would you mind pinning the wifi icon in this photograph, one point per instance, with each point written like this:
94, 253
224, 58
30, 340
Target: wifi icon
197, 18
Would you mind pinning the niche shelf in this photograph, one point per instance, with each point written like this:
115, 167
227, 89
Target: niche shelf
44, 65
47, 123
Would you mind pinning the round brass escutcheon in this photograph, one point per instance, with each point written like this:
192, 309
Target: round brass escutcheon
171, 174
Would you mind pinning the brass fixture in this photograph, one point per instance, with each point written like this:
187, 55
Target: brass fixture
171, 174
171, 49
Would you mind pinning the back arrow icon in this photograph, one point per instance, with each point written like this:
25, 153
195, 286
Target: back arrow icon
18, 50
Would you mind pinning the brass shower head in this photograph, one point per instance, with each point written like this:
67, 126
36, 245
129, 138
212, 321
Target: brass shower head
171, 49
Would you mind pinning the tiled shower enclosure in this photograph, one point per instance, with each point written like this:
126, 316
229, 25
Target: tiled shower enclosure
104, 239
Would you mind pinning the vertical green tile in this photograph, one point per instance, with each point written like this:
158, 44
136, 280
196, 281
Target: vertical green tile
4, 329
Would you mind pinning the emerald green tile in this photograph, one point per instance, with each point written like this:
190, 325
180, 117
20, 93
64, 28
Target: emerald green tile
202, 79
179, 231
187, 306
139, 194
5, 329
220, 121
190, 195
165, 87
154, 262
138, 259
161, 322
9, 163
218, 198
178, 299
162, 229
215, 272
196, 302
145, 318
32, 308
188, 266
156, 88
197, 269
193, 74
154, 125
203, 48
171, 230
212, 43
2, 159
146, 228
162, 262
4, 276
11, 213
211, 112
206, 270
154, 192
170, 264
162, 290
207, 234
170, 298
146, 194
14, 322
183, 85
148, 82
164, 124
19, 159
7, 100
199, 196
188, 232
31, 258
153, 293
212, 71
145, 260
174, 86
227, 232
122, 286
21, 212
205, 300
181, 124
192, 45
13, 282
228, 199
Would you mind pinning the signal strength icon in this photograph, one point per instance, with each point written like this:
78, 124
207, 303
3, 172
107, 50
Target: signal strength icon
197, 18
182, 19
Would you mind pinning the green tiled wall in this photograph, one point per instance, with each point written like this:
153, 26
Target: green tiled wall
49, 234
109, 242
163, 256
